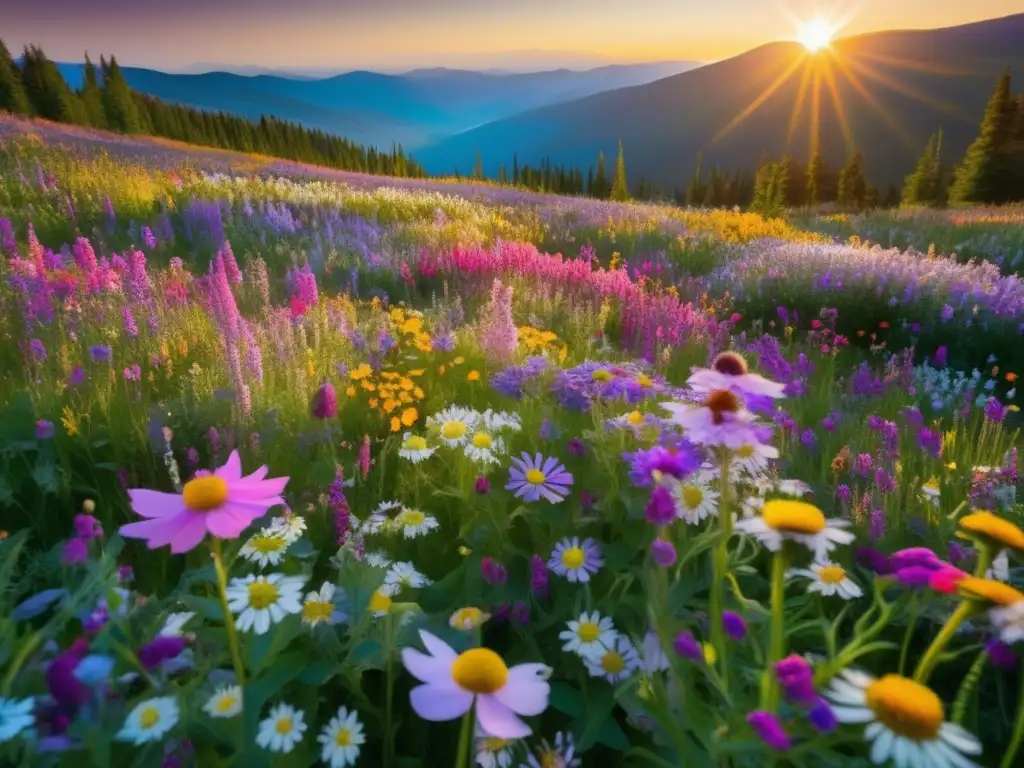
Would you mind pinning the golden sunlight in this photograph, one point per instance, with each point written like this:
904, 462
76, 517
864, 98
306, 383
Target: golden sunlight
815, 34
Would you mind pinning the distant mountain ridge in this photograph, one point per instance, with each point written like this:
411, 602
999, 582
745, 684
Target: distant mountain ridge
906, 85
376, 109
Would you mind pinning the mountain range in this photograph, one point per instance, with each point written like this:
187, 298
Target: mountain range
883, 93
413, 109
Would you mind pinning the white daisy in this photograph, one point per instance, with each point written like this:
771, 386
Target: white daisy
454, 424
497, 421
484, 448
291, 527
150, 720
1009, 620
752, 506
320, 607
492, 752
413, 523
753, 458
415, 448
796, 488
906, 721
268, 547
15, 717
226, 702
282, 729
380, 603
695, 499
615, 663
380, 518
588, 634
785, 519
829, 579
401, 575
376, 560
174, 623
261, 601
341, 739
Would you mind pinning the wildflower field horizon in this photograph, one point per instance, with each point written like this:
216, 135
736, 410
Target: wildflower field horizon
305, 467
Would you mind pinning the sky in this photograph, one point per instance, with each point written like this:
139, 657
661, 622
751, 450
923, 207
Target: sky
338, 35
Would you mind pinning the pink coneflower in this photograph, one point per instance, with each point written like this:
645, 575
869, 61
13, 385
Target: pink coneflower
720, 421
729, 372
224, 503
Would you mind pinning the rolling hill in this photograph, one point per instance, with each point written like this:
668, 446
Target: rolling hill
375, 109
884, 93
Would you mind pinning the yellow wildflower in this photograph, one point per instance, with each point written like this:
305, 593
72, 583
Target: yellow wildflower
473, 376
409, 416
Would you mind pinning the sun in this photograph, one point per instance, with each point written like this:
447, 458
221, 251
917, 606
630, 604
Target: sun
815, 34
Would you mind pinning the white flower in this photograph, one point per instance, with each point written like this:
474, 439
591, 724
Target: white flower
560, 755
415, 448
261, 601
615, 663
1009, 620
785, 519
492, 752
380, 518
454, 424
829, 579
150, 720
15, 717
403, 575
282, 730
174, 624
906, 722
484, 448
341, 739
931, 492
413, 523
753, 458
652, 655
694, 497
320, 607
291, 527
268, 547
1000, 570
226, 702
496, 421
376, 560
588, 634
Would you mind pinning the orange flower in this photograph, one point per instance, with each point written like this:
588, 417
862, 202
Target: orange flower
473, 376
373, 403
1011, 377
351, 391
418, 393
409, 416
390, 405
458, 360
440, 370
396, 424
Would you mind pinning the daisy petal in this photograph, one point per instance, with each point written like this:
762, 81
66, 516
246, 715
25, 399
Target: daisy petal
155, 504
498, 720
426, 669
526, 691
438, 703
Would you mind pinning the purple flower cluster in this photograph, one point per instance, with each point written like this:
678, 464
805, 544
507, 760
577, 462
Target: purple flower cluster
515, 380
576, 388
678, 461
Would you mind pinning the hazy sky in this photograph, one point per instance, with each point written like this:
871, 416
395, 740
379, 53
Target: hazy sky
344, 34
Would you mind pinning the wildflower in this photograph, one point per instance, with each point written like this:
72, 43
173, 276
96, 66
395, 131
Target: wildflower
325, 402
15, 717
660, 509
729, 372
88, 527
988, 591
380, 603
686, 645
223, 503
500, 421
267, 547
676, 462
415, 448
694, 499
829, 579
282, 729
162, 649
261, 601
320, 607
735, 625
1001, 655
75, 551
484, 448
492, 752
493, 571
100, 353
226, 702
454, 425
533, 478
753, 458
652, 655
906, 720
720, 421
785, 519
930, 441
993, 530
769, 730
576, 448
588, 634
150, 720
413, 523
403, 575
482, 485
468, 618
520, 613
663, 552
341, 739
451, 683
561, 755
291, 527
796, 678
615, 662
538, 576
44, 429
821, 716
576, 561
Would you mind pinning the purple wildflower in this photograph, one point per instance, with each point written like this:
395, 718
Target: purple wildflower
863, 464
75, 551
1001, 655
482, 485
930, 441
796, 678
735, 625
808, 439
537, 477
686, 645
538, 576
87, 527
941, 357
130, 327
663, 552
325, 402
843, 493
661, 508
821, 716
994, 410
520, 612
153, 654
148, 238
769, 730
576, 448
494, 573
876, 528
67, 690
37, 349
100, 353
44, 429
76, 377
675, 462
873, 560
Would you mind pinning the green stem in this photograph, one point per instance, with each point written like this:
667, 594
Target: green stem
389, 695
464, 758
229, 620
967, 687
1018, 729
986, 554
931, 657
769, 685
719, 575
26, 650
911, 626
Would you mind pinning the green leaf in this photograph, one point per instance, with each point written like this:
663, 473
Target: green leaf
317, 673
566, 699
599, 711
207, 607
611, 735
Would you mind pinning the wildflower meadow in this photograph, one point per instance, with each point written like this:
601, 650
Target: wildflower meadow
303, 467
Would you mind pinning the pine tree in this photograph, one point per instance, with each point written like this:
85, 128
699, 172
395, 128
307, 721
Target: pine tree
600, 186
478, 166
92, 97
118, 105
12, 92
984, 177
620, 189
796, 183
694, 190
770, 190
45, 87
925, 186
853, 187
821, 180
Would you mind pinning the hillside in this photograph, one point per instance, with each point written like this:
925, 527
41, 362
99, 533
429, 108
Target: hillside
374, 109
890, 90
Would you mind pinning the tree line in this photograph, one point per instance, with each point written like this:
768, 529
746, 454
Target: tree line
36, 87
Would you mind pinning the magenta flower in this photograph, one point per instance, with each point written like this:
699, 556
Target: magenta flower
663, 553
769, 730
75, 551
532, 478
325, 402
224, 503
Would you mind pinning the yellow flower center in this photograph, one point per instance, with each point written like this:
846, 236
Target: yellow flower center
612, 662
831, 574
226, 703
710, 654
644, 381
267, 544
262, 594
380, 603
415, 443
994, 527
635, 418
493, 744
315, 610
535, 477
482, 440
601, 375
989, 590
692, 496
793, 516
905, 707
588, 631
411, 517
343, 737
149, 717
453, 430
479, 670
468, 617
572, 558
205, 494
745, 451
284, 725
551, 759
